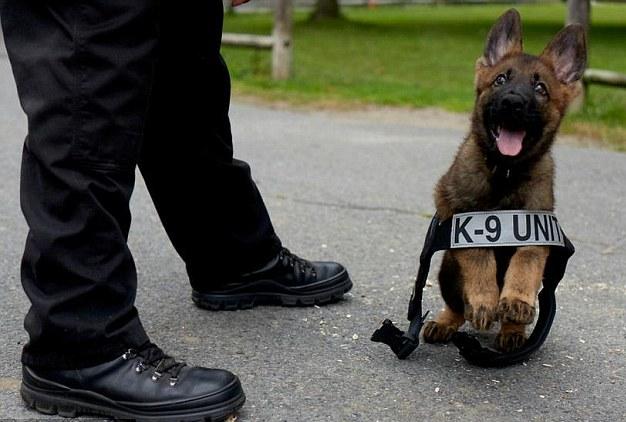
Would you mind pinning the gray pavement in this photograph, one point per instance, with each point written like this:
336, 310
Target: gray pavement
357, 189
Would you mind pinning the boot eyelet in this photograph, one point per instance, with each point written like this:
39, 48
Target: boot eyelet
173, 381
156, 376
129, 354
140, 367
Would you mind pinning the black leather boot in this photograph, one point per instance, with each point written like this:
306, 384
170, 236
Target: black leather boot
287, 280
142, 385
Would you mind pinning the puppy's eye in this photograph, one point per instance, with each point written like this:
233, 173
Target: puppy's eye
500, 80
541, 89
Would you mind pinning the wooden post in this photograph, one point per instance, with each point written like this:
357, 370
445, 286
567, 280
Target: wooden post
283, 41
579, 11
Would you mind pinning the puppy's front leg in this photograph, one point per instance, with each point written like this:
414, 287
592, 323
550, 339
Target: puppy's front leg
521, 284
480, 285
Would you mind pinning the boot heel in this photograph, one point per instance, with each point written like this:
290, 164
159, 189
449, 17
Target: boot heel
40, 403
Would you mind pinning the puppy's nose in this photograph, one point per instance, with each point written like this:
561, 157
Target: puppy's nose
513, 103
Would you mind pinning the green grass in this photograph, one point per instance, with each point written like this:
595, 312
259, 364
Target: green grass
420, 56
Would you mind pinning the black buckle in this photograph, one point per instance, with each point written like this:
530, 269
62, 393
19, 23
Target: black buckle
401, 343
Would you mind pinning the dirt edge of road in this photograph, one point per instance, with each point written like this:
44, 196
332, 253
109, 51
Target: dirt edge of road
428, 117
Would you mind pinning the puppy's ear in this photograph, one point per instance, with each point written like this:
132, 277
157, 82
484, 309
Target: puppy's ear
567, 53
505, 38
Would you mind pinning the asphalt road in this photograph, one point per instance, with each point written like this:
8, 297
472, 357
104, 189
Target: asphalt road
357, 188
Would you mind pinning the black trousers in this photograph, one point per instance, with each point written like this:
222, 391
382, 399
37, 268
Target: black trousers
108, 85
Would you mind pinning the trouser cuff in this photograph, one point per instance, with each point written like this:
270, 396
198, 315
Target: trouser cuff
83, 355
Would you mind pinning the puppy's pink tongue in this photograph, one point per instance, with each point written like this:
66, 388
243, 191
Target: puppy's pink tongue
510, 142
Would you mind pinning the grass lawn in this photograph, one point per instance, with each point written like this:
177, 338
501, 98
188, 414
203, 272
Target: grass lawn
421, 56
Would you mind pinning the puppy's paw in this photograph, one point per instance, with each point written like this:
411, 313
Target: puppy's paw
509, 341
480, 316
515, 311
435, 332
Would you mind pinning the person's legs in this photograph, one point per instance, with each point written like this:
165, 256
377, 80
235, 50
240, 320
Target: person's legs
84, 71
83, 77
207, 200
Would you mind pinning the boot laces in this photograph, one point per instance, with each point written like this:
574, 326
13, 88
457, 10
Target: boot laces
153, 357
294, 261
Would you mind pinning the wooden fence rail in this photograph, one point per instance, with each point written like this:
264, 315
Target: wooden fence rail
248, 40
605, 77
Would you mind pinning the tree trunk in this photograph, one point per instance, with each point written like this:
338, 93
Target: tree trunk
325, 9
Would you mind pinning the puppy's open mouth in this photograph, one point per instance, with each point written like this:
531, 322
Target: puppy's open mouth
508, 141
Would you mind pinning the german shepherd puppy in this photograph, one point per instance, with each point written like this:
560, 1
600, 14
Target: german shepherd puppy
505, 163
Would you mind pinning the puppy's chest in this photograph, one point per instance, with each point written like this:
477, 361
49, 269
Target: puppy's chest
495, 194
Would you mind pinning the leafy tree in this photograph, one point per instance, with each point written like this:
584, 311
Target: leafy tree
325, 9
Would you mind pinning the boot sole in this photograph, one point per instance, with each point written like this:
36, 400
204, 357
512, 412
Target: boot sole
236, 301
73, 403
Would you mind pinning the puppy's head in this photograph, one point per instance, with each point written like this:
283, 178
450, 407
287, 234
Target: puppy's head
520, 98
